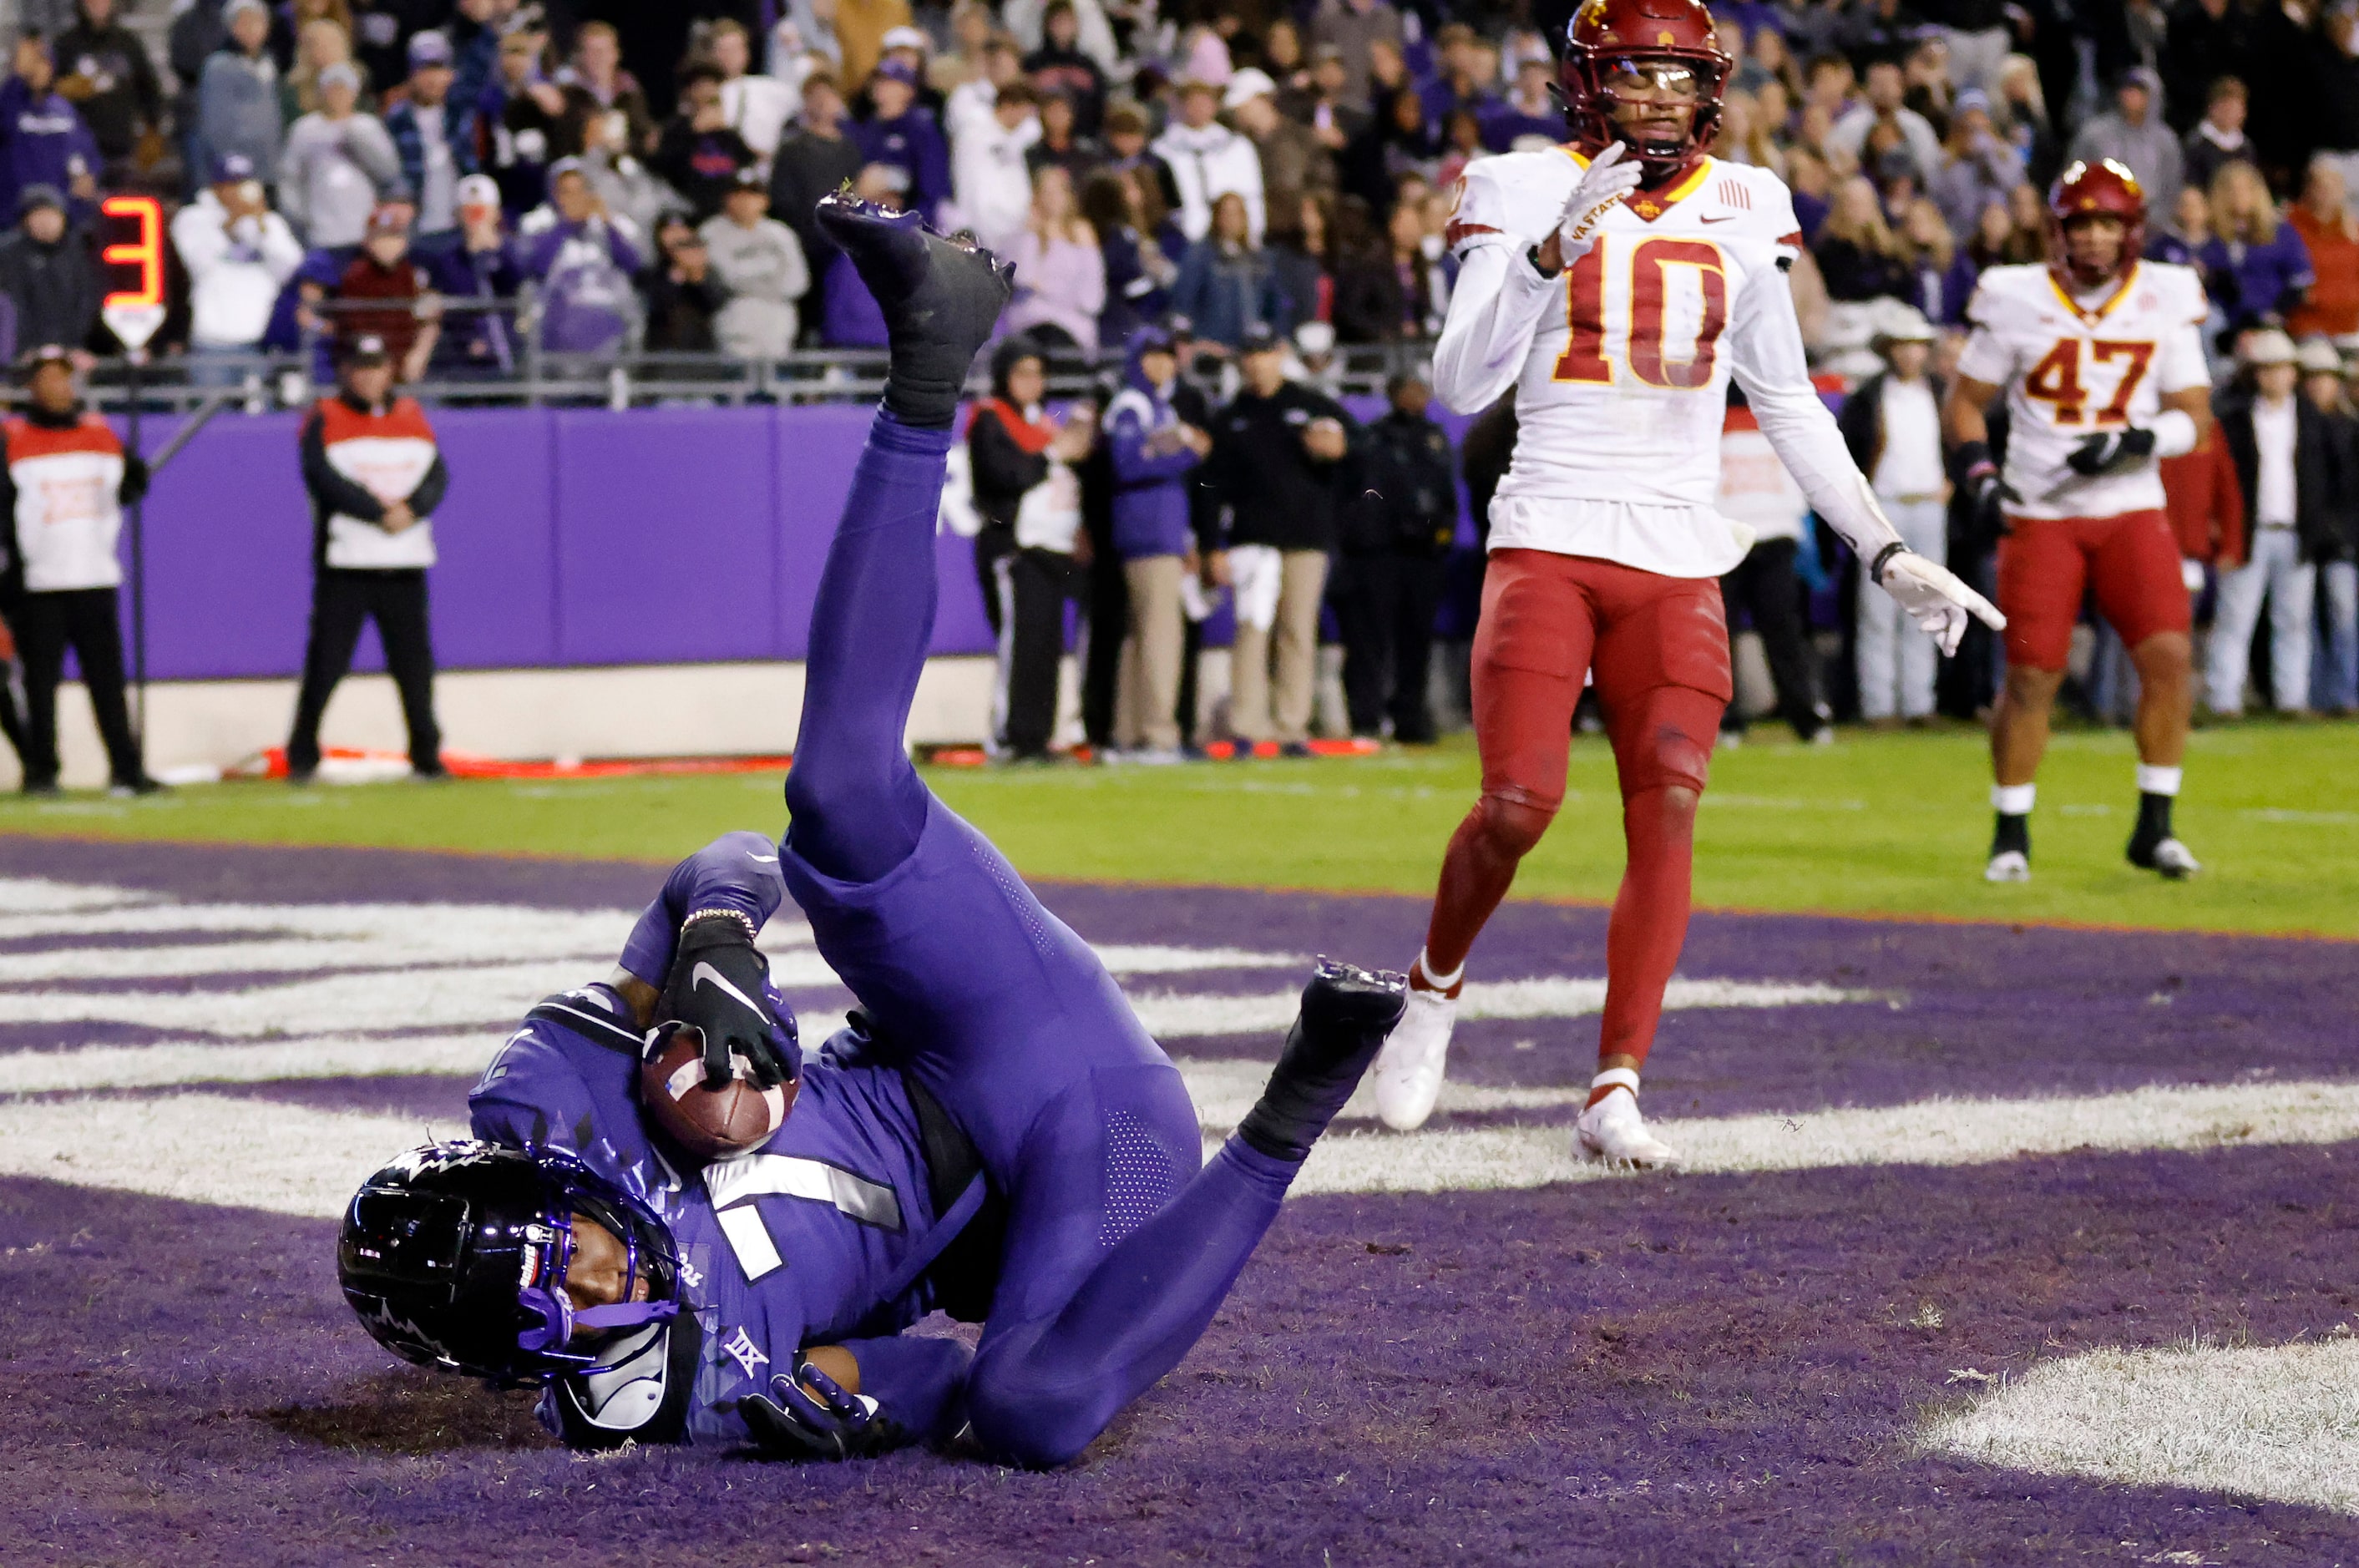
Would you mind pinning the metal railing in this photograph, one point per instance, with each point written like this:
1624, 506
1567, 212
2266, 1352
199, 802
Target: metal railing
517, 369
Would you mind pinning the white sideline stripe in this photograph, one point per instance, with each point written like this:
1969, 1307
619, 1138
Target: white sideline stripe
175, 1063
2270, 1422
218, 1149
1180, 1016
208, 1148
1929, 1132
492, 995
1150, 958
1225, 1089
25, 895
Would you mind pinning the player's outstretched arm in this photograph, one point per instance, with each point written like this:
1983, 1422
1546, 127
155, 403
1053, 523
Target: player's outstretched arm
1769, 362
737, 871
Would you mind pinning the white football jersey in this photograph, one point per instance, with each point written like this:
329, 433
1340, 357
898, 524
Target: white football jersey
1625, 381
2074, 369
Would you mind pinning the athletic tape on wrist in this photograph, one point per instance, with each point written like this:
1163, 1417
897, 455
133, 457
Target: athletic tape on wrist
738, 915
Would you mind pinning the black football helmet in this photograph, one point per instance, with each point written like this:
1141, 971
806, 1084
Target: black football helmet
454, 1256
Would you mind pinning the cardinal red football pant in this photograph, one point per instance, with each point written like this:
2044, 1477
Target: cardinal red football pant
1658, 650
2047, 564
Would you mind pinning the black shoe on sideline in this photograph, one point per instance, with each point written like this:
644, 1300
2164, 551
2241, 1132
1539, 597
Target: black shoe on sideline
39, 788
128, 788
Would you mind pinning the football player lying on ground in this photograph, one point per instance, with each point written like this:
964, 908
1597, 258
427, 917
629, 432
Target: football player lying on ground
995, 1135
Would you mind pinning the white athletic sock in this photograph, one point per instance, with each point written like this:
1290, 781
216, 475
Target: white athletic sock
2158, 780
1616, 1078
1438, 982
2013, 799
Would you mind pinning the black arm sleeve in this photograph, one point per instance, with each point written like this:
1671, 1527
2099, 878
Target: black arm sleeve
330, 491
431, 489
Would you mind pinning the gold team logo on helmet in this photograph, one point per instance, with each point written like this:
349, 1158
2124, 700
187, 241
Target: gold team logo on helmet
1666, 40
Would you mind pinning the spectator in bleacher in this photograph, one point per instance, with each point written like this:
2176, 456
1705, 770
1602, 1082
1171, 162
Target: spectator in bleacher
1280, 462
1026, 488
1529, 110
474, 29
758, 260
1153, 453
337, 165
902, 134
48, 275
104, 70
436, 140
1138, 273
989, 175
1209, 161
1061, 285
525, 114
321, 44
596, 84
2219, 136
756, 107
684, 298
239, 254
370, 463
1857, 253
1227, 286
1885, 87
622, 180
2329, 233
42, 139
1354, 28
2177, 235
64, 480
1062, 144
1127, 151
1031, 23
584, 258
2020, 111
699, 154
1320, 105
2284, 467
1060, 66
1978, 167
407, 316
236, 102
2336, 680
1940, 275
1388, 570
1979, 33
861, 27
1892, 424
2132, 135
1396, 145
810, 26
2207, 514
2254, 264
813, 158
484, 269
1293, 163
969, 104
1301, 249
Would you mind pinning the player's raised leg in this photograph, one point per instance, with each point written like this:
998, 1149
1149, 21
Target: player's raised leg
1532, 646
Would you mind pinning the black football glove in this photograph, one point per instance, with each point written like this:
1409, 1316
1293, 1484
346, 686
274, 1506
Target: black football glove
717, 988
788, 1424
2111, 452
1985, 490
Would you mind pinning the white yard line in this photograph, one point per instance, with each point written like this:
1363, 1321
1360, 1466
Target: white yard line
1181, 1016
2277, 1421
218, 1149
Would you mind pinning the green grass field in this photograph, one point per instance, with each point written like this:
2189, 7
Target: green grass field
1877, 824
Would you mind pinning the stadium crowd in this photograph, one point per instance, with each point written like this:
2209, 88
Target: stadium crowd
1219, 182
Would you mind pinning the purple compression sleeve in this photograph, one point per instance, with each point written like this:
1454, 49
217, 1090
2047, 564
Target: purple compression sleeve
736, 871
857, 806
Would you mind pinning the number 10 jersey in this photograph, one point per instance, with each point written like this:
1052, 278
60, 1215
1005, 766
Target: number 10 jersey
2073, 369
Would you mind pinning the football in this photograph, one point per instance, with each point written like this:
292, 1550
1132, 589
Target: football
712, 1124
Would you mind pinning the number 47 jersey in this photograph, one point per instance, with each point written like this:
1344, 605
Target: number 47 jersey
2074, 368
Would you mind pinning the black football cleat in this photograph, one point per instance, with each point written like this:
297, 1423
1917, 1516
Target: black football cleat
940, 298
1346, 1013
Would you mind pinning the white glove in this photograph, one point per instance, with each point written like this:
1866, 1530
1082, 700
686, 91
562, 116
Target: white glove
1935, 598
1606, 181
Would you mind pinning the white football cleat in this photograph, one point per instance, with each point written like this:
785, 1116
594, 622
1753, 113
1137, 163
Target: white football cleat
2174, 860
1408, 1071
2008, 865
1613, 1131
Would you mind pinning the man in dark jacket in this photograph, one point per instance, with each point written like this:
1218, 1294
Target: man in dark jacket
374, 476
1388, 577
103, 69
48, 273
1281, 463
816, 158
2283, 449
42, 138
700, 154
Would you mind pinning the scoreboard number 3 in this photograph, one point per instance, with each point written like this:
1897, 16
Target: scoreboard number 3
133, 314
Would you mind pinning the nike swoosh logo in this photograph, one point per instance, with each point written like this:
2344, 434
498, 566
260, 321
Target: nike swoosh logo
704, 972
1724, 218
761, 859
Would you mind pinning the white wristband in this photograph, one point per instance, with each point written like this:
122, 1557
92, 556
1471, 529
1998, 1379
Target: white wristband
2174, 432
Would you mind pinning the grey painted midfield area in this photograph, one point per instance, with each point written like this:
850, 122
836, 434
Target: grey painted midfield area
1684, 1370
